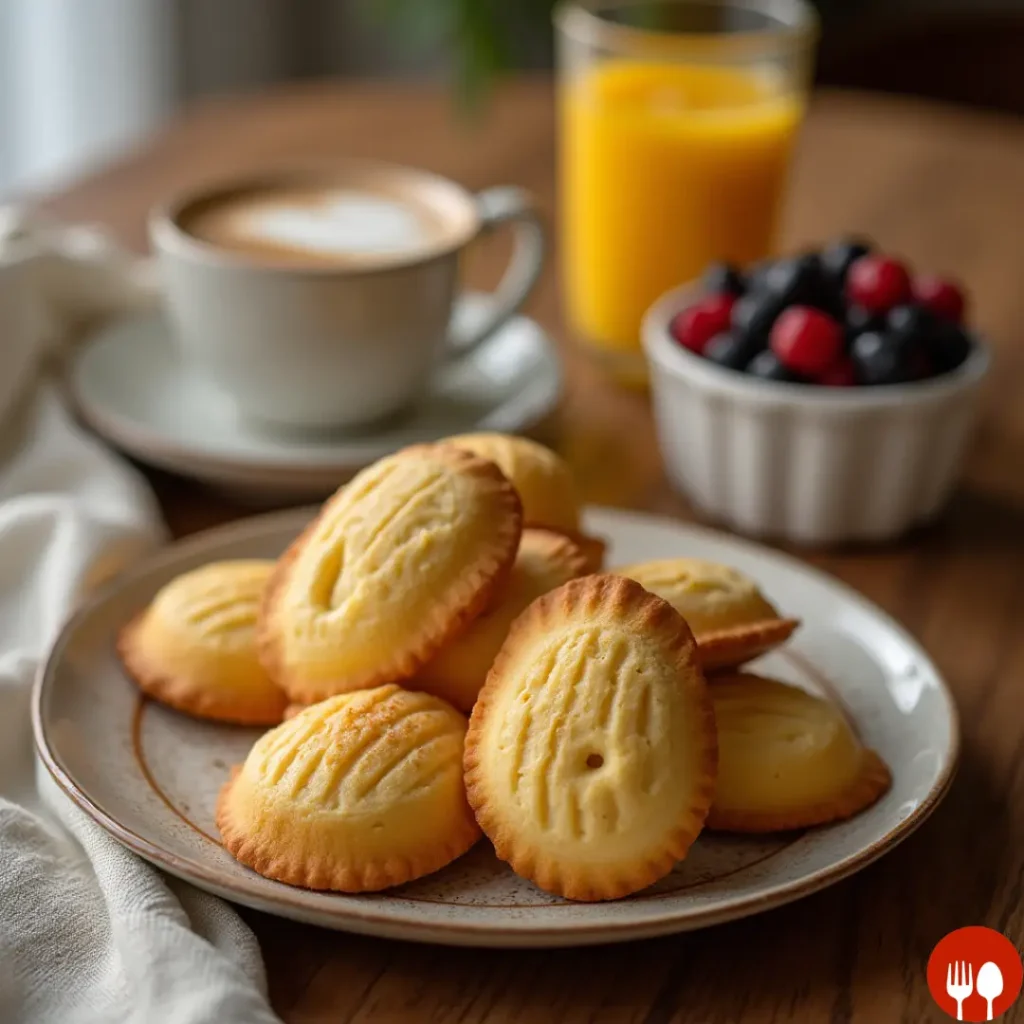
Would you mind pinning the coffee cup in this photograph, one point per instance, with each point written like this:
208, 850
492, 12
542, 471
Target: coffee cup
325, 299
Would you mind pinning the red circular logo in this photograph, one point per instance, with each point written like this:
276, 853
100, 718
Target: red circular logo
975, 974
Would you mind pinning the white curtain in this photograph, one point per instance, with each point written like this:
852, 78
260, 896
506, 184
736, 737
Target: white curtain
81, 80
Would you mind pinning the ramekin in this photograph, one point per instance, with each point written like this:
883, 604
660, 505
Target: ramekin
812, 465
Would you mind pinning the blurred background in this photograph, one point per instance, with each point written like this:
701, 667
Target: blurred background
81, 80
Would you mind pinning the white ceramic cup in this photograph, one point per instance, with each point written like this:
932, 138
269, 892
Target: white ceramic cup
321, 346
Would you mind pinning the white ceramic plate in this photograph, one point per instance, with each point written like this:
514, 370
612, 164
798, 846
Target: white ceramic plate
150, 776
129, 385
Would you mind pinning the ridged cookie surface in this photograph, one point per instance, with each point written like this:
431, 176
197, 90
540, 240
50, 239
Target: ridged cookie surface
457, 672
194, 647
397, 563
731, 619
357, 793
591, 753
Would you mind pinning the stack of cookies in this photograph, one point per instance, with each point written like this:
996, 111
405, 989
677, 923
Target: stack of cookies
609, 721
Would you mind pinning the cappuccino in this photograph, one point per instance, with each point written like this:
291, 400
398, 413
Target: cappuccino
344, 225
323, 297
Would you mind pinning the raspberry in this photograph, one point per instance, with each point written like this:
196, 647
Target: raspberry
942, 297
696, 325
877, 283
806, 340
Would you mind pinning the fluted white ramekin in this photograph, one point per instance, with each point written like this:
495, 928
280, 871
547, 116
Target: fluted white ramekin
808, 464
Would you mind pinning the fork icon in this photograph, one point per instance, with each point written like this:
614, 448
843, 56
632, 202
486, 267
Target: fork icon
959, 984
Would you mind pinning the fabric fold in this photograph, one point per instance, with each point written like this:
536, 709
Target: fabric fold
88, 931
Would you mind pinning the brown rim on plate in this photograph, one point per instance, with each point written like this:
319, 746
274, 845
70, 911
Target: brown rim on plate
358, 914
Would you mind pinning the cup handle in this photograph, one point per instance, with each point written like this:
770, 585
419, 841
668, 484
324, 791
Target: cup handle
505, 204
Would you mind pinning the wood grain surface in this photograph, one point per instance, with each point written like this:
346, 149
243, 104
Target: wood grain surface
941, 187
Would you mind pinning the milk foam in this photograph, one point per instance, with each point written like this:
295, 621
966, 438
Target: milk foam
342, 223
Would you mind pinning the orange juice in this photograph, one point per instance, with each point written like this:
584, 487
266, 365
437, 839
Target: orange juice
665, 168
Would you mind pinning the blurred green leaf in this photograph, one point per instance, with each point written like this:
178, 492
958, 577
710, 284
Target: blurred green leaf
479, 36
481, 53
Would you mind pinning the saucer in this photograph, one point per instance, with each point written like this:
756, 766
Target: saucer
128, 385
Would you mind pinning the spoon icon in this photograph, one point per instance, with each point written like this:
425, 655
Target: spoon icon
990, 984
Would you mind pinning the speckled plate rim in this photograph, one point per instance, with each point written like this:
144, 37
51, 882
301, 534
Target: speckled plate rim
515, 933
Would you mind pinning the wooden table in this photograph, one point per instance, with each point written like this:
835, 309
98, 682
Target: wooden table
941, 187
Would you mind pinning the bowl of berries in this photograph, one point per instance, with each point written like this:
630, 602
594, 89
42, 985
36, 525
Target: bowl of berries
818, 398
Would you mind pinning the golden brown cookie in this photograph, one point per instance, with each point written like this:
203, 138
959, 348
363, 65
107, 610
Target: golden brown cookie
359, 792
397, 563
591, 752
786, 759
545, 560
593, 547
730, 617
545, 484
542, 478
194, 647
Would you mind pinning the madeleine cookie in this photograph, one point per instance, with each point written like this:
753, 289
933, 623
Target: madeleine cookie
397, 563
359, 792
542, 478
591, 751
730, 617
786, 759
593, 548
545, 560
194, 647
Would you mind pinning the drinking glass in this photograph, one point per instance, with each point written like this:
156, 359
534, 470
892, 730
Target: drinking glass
677, 121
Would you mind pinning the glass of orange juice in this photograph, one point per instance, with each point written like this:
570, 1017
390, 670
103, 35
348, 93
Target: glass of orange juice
677, 120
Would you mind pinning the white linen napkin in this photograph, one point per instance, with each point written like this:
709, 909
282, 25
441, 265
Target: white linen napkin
88, 931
